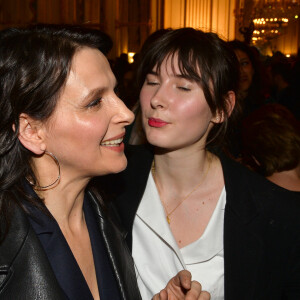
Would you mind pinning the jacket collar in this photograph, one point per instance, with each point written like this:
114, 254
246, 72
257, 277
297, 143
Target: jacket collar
238, 193
120, 258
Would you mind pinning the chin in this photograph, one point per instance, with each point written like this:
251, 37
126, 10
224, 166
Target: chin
120, 167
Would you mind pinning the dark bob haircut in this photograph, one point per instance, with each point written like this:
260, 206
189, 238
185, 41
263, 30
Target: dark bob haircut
34, 66
202, 57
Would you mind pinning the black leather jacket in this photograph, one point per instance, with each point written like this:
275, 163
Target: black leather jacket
25, 272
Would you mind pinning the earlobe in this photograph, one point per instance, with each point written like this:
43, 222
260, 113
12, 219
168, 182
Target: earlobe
30, 135
230, 103
219, 118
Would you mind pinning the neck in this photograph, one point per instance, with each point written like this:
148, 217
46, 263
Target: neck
179, 170
289, 180
65, 202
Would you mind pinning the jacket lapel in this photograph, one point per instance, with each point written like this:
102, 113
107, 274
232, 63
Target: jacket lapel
118, 253
242, 246
130, 185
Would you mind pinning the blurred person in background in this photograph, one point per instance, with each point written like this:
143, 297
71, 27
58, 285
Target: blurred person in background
271, 145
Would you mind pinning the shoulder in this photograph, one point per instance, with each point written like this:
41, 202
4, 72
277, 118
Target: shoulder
248, 189
16, 234
24, 263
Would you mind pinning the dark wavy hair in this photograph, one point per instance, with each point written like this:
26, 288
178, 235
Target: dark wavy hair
202, 57
34, 66
271, 140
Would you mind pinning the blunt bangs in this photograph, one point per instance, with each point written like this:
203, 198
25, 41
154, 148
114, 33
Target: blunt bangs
202, 57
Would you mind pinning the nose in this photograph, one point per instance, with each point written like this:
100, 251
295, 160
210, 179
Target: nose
242, 68
158, 99
124, 115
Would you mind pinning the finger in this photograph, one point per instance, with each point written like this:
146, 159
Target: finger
162, 295
156, 297
194, 293
204, 296
185, 279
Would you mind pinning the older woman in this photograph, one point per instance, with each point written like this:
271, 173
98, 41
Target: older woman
187, 206
61, 124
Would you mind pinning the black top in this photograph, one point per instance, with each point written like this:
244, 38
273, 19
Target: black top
63, 262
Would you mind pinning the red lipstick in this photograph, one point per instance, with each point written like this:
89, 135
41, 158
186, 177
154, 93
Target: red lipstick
156, 122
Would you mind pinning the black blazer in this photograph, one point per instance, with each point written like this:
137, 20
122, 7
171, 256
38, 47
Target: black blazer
25, 271
261, 227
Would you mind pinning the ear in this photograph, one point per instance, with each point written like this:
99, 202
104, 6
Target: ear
230, 103
31, 134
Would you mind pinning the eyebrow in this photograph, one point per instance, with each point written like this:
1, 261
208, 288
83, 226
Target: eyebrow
94, 92
184, 76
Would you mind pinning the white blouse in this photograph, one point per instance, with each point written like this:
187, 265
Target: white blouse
158, 258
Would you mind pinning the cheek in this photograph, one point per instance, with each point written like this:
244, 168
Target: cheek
144, 98
79, 132
249, 70
192, 109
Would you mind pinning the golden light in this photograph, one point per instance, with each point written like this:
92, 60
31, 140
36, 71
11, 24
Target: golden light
130, 57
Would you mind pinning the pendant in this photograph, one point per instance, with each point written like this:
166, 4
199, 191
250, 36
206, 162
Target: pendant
168, 220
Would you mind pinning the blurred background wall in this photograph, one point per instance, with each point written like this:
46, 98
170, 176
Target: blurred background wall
130, 22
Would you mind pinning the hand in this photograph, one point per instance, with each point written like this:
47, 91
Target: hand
182, 287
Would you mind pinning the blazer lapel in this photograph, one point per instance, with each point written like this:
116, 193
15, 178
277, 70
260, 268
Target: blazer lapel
242, 246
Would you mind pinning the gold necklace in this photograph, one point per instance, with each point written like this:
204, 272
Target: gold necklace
185, 197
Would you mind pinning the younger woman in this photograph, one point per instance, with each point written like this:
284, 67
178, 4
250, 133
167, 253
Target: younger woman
188, 207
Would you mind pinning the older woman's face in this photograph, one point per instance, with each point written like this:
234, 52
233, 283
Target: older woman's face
87, 127
246, 68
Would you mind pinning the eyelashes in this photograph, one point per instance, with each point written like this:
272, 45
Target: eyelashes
95, 102
151, 83
182, 88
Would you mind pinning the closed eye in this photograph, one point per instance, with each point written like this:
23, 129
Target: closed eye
95, 102
151, 83
185, 89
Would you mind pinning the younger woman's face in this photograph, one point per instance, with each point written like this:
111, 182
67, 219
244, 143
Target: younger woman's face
175, 113
86, 130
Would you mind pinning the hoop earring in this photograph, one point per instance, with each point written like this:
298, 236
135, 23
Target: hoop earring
47, 187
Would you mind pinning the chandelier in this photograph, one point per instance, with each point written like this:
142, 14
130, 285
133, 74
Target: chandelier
271, 17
